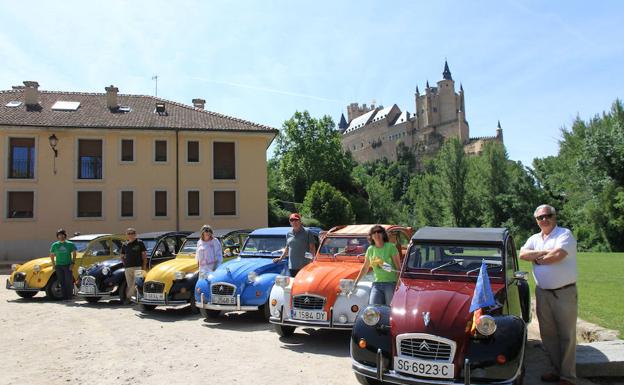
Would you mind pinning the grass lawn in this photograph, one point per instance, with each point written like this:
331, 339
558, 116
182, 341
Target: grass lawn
600, 288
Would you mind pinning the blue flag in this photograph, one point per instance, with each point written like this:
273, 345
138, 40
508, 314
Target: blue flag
483, 296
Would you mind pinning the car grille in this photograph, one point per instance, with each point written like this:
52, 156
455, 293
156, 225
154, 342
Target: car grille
87, 280
426, 349
308, 302
19, 277
222, 289
153, 287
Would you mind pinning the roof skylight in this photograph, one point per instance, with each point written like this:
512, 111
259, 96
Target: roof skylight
14, 103
65, 106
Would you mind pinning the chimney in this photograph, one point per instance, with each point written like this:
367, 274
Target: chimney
31, 93
111, 97
199, 103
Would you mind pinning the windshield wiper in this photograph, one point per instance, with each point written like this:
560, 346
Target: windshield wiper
449, 263
490, 264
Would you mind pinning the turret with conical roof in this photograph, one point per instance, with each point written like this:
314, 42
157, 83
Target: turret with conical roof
343, 123
447, 72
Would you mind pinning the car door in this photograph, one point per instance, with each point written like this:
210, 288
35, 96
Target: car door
98, 250
164, 250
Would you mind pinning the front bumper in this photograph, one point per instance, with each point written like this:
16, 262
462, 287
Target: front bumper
391, 376
25, 288
238, 307
138, 298
331, 324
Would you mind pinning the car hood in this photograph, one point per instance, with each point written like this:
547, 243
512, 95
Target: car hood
446, 302
164, 272
236, 270
113, 264
43, 262
323, 278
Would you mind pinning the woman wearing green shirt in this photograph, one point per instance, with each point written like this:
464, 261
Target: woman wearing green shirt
383, 257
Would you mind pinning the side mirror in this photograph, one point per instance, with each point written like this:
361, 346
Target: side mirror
522, 275
158, 253
308, 255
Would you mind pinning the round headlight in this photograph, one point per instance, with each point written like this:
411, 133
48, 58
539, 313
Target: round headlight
371, 316
14, 267
346, 285
138, 273
282, 280
179, 275
81, 270
37, 268
252, 276
105, 270
486, 325
202, 275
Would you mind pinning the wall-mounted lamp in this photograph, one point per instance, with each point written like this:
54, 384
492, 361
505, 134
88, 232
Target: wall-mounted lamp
53, 142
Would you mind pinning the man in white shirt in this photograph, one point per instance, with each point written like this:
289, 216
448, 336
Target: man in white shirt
553, 253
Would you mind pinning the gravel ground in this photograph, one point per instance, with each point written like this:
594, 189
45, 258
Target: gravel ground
47, 342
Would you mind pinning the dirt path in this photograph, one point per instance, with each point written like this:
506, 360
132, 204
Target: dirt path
46, 342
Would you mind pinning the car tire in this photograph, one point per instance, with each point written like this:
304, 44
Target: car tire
367, 380
53, 289
207, 313
193, 306
26, 294
92, 299
265, 311
147, 308
284, 331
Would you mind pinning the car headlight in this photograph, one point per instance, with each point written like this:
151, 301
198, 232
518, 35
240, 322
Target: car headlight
486, 325
178, 275
105, 270
139, 274
202, 275
37, 268
282, 280
252, 276
371, 316
81, 270
14, 267
346, 285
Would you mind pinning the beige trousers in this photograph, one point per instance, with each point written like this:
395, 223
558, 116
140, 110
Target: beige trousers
557, 312
130, 289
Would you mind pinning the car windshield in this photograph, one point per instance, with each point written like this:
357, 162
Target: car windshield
190, 246
80, 245
149, 243
454, 259
348, 246
272, 246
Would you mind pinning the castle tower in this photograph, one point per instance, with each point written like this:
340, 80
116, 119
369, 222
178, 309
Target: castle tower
342, 125
499, 132
447, 102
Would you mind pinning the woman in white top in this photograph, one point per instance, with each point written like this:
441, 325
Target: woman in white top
209, 254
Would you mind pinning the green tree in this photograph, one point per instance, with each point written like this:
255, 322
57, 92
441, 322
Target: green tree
453, 168
327, 205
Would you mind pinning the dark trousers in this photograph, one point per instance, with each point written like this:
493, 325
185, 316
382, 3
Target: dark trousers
293, 272
66, 280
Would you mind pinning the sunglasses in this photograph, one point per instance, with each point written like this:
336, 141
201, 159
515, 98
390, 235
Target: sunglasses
377, 232
293, 220
542, 217
130, 233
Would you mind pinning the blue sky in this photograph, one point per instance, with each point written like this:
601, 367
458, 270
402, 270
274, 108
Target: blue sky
535, 65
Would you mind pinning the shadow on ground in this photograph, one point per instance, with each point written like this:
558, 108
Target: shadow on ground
238, 321
318, 341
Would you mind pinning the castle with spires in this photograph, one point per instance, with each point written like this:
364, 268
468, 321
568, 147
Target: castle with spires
376, 132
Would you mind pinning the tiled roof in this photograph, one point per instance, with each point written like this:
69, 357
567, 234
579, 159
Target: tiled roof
94, 113
361, 121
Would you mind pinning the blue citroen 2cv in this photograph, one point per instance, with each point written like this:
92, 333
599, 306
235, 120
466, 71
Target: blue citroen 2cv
245, 283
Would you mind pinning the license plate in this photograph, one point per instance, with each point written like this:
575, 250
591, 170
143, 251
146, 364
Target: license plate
87, 289
223, 299
424, 368
310, 315
19, 285
154, 296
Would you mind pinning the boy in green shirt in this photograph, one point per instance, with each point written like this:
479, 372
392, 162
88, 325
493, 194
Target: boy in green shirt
63, 257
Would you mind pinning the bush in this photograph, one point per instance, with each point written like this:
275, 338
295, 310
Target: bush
327, 205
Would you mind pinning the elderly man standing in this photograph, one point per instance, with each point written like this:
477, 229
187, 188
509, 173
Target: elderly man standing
134, 257
553, 253
298, 241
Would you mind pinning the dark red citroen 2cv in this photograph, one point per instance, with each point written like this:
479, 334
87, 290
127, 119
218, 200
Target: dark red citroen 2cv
429, 335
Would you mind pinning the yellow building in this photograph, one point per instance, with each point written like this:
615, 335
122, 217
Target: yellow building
102, 162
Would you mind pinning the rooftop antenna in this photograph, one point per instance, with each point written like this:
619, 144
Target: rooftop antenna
155, 78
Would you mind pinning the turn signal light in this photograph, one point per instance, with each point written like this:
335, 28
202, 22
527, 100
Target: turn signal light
273, 302
501, 359
362, 343
355, 308
198, 290
183, 290
258, 293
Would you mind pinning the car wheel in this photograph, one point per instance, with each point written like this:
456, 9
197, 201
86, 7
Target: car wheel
26, 294
367, 380
147, 308
265, 311
193, 306
53, 289
122, 292
284, 331
207, 313
93, 299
